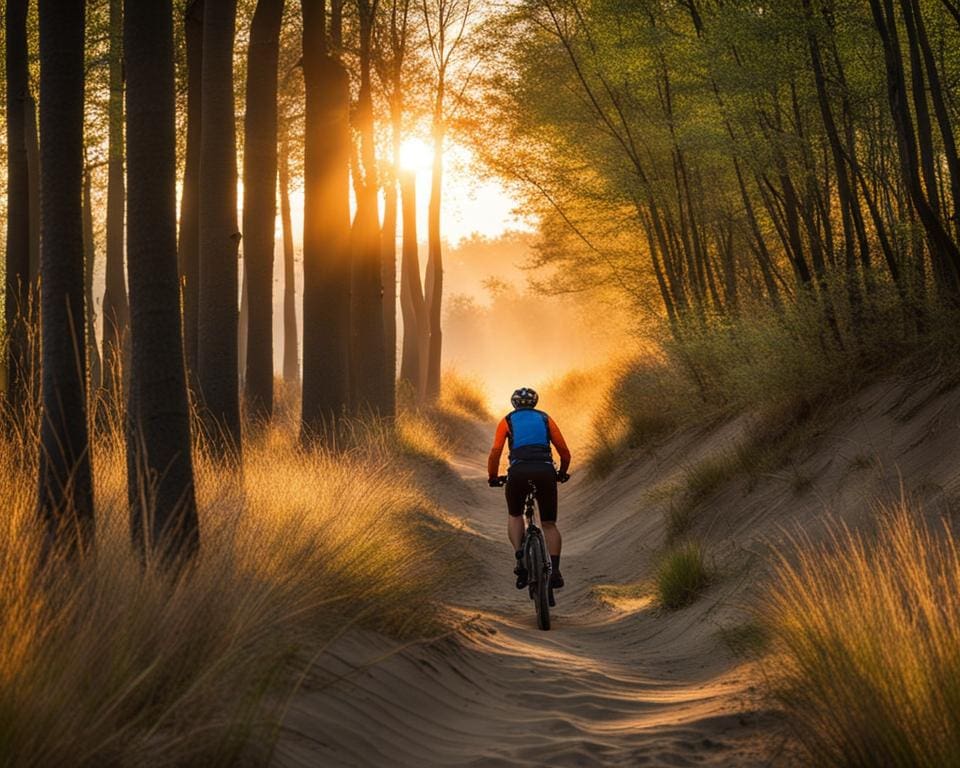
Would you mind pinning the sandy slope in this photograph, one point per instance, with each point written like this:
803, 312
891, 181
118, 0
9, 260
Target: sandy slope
608, 685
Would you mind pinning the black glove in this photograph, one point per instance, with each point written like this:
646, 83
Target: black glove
562, 477
494, 482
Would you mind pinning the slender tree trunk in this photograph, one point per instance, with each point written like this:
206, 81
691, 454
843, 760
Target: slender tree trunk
326, 229
219, 239
388, 278
260, 202
243, 322
944, 253
291, 355
416, 321
65, 498
163, 514
369, 386
434, 280
89, 263
116, 312
189, 244
33, 192
940, 108
17, 285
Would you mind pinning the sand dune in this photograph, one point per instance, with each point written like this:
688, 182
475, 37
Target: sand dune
621, 683
607, 686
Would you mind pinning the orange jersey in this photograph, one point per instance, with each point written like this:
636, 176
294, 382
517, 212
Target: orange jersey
500, 439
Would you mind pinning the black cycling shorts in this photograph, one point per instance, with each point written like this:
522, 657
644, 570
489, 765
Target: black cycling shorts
544, 476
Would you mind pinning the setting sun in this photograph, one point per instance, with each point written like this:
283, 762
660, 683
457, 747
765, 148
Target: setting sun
416, 155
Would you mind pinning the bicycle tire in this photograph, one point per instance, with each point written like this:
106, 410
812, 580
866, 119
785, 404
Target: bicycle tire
541, 583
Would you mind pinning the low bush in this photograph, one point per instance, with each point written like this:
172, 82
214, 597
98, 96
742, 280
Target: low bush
681, 575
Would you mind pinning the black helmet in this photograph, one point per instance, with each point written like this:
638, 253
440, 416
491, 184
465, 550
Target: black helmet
524, 398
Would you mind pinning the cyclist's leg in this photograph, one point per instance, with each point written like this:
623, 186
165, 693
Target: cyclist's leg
546, 481
516, 493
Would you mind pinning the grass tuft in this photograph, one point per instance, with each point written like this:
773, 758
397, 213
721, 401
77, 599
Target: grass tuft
681, 575
864, 629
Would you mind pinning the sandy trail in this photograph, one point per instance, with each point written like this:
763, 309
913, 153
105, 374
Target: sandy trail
606, 686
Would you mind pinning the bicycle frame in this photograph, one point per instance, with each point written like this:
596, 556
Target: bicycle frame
536, 559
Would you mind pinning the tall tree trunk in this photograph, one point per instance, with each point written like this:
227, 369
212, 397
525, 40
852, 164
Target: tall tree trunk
65, 483
849, 205
434, 278
89, 263
937, 96
219, 239
163, 514
260, 202
388, 278
17, 284
291, 356
944, 254
368, 350
33, 192
243, 322
416, 321
188, 255
326, 229
116, 312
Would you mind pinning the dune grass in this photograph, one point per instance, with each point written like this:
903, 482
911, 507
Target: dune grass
102, 664
776, 364
681, 575
864, 637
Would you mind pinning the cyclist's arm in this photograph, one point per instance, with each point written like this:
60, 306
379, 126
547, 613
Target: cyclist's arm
557, 439
499, 439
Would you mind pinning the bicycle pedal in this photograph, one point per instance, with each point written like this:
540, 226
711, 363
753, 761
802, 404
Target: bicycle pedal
551, 600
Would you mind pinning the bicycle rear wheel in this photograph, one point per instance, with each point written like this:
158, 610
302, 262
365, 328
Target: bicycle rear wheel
540, 583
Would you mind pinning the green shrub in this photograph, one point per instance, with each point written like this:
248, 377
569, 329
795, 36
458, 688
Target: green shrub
681, 575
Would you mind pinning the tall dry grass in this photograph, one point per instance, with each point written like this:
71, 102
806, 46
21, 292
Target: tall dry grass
865, 634
103, 664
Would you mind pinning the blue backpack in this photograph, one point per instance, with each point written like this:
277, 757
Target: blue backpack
529, 436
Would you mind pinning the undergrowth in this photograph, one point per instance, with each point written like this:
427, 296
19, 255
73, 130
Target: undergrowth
779, 365
863, 630
104, 663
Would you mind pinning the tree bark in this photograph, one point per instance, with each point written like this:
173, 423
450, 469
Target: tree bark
291, 356
368, 350
326, 230
163, 514
188, 255
89, 263
219, 239
33, 192
260, 203
17, 282
116, 312
388, 279
416, 322
65, 498
434, 278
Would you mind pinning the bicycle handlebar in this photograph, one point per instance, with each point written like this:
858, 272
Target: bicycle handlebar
502, 480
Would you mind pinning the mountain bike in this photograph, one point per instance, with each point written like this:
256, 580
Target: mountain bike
536, 560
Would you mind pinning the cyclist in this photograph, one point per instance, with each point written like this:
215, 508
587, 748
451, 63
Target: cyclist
530, 433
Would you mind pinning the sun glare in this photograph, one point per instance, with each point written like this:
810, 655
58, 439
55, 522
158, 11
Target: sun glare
415, 155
